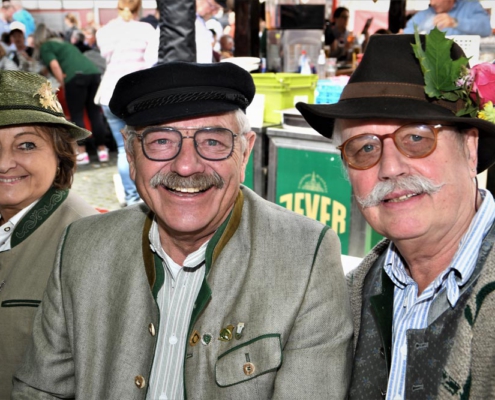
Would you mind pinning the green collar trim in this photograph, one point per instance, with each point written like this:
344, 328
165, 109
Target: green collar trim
47, 205
224, 233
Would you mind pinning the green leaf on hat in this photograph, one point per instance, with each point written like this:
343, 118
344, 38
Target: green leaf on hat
441, 73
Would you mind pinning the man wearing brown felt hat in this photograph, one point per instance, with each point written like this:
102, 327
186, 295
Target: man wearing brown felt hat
208, 292
414, 127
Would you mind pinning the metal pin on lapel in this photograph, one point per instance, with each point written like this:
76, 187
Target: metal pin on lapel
226, 333
238, 332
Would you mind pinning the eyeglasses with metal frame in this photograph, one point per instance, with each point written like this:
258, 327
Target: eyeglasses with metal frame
364, 151
164, 143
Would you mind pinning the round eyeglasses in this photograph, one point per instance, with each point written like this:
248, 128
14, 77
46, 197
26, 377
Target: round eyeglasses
164, 143
413, 140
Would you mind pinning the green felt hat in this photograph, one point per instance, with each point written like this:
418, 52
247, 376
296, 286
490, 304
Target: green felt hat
27, 98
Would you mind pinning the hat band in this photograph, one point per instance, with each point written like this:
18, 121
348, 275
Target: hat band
186, 95
361, 90
32, 108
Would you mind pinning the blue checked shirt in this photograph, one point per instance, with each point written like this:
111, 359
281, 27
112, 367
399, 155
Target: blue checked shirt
411, 310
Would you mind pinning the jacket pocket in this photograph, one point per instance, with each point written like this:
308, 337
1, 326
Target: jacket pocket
21, 303
249, 360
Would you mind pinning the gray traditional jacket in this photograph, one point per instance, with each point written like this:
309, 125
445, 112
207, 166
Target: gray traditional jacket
277, 272
453, 358
24, 271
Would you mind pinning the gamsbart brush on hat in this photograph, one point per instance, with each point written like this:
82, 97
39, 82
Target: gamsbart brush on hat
28, 98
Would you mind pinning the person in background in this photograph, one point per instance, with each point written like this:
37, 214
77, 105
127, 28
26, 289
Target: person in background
216, 54
226, 46
23, 53
152, 19
6, 13
79, 77
454, 17
23, 16
423, 299
78, 40
127, 45
337, 35
213, 24
90, 36
91, 21
72, 24
6, 63
212, 292
229, 29
37, 164
205, 9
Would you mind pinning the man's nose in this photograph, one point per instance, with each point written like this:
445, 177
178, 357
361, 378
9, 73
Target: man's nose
393, 162
188, 161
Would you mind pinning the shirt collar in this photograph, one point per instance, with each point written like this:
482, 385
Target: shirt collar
7, 229
191, 261
464, 261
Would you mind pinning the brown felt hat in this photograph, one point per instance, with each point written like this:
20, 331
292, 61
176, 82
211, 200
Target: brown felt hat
389, 84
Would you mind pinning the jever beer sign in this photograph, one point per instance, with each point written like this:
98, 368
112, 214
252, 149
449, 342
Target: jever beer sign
313, 184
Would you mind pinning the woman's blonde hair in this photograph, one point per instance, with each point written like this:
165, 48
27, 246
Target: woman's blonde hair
42, 34
128, 8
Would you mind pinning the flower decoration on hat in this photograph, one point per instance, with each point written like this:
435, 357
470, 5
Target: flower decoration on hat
452, 80
47, 98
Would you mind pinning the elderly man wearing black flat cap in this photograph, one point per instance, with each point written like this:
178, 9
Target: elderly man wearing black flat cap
207, 291
415, 126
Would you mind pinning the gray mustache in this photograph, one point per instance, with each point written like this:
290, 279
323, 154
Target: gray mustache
415, 183
197, 181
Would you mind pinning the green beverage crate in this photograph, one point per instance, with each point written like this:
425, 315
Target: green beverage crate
281, 89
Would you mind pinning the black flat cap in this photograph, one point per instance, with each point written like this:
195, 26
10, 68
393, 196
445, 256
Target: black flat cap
179, 90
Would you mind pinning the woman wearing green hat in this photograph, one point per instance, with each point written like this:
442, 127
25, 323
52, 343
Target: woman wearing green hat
37, 163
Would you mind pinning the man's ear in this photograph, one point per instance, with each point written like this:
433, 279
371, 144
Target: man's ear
130, 156
471, 148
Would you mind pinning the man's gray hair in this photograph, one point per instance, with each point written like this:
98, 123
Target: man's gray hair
243, 127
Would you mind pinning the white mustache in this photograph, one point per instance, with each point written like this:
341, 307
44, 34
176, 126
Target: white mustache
415, 183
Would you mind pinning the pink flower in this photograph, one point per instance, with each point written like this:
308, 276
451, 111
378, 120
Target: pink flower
483, 82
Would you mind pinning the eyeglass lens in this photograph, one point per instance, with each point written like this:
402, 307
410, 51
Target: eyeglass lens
162, 144
414, 141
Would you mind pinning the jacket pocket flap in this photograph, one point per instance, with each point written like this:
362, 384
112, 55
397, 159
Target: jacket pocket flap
21, 303
248, 360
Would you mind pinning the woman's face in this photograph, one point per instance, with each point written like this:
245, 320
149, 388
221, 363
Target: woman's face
28, 166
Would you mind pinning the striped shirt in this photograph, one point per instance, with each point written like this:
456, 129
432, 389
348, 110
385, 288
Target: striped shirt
175, 300
411, 310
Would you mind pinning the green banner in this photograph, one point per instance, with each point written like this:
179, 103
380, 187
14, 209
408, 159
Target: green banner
312, 183
249, 179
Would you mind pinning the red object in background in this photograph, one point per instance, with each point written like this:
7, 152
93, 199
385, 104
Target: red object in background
63, 102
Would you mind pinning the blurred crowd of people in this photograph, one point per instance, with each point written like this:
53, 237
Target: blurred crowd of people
454, 17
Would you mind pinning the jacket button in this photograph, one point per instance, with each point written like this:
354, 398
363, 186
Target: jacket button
151, 328
248, 368
140, 381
